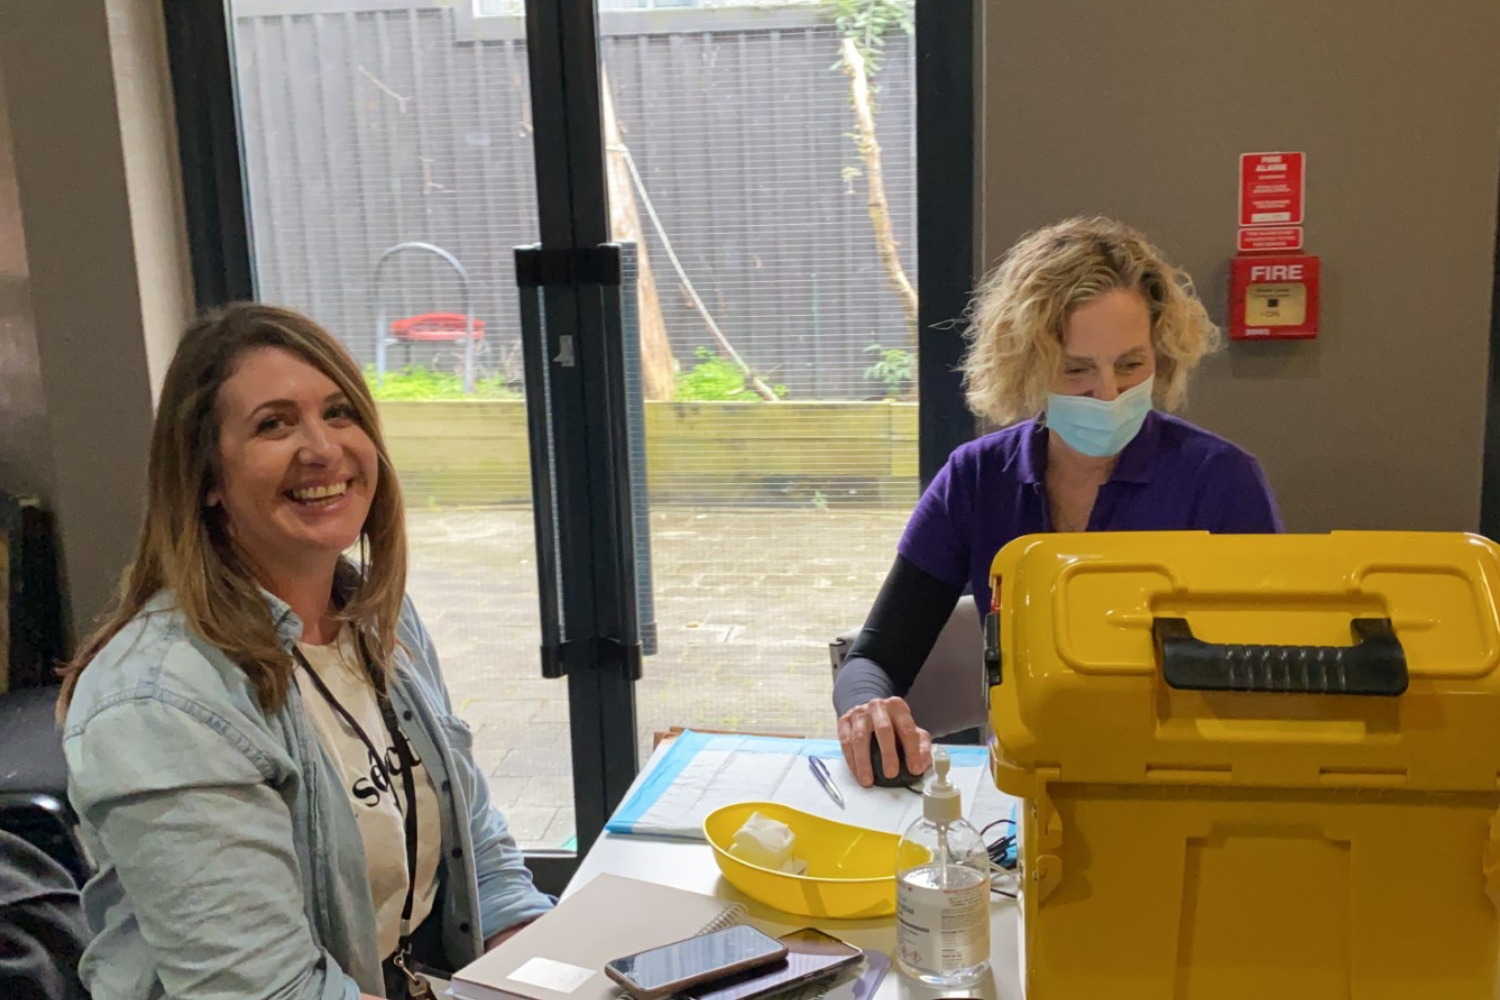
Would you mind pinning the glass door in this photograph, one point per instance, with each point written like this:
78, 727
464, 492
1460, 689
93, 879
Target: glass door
761, 174
389, 166
634, 282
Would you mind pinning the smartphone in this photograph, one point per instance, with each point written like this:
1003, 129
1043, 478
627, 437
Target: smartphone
675, 967
810, 955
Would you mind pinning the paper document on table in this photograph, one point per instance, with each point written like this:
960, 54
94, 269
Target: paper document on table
702, 772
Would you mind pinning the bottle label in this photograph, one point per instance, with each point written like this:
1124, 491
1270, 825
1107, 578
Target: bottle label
943, 917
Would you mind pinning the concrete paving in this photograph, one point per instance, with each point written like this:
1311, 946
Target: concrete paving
746, 603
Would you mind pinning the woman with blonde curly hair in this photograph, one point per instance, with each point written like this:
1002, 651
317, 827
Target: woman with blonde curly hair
1079, 341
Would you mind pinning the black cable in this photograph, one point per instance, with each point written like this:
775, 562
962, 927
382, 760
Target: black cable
999, 850
990, 826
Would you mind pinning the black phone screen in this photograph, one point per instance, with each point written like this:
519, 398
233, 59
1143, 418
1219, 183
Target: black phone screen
685, 960
810, 954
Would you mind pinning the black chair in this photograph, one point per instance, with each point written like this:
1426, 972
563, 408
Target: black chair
34, 779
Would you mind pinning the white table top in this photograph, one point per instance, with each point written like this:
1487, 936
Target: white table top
691, 866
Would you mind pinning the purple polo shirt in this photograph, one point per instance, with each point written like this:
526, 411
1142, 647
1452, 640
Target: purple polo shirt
1171, 477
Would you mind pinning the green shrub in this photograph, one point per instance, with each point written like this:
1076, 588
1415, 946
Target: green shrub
895, 369
715, 378
421, 382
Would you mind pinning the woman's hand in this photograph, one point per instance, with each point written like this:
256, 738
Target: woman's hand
889, 719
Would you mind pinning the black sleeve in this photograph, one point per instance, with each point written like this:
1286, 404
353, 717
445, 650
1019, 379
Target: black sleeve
42, 931
901, 629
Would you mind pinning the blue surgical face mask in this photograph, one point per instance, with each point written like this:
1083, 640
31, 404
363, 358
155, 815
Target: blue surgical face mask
1096, 427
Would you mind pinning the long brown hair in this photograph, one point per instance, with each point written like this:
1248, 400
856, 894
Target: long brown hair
185, 548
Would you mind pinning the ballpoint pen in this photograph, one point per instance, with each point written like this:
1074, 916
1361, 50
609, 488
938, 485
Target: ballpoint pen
820, 771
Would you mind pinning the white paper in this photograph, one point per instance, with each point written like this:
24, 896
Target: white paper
560, 977
727, 770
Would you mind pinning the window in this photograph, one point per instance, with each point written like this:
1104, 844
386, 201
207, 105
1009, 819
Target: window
390, 167
504, 8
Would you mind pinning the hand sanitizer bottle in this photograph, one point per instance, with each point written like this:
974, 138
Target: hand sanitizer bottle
942, 891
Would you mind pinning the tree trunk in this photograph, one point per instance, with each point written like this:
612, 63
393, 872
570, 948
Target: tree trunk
658, 368
880, 208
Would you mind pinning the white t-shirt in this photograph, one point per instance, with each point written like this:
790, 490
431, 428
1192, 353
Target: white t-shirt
378, 809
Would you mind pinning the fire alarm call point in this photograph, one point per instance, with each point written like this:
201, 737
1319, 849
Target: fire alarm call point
1273, 297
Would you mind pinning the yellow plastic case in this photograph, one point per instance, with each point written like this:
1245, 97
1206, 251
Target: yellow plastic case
1209, 813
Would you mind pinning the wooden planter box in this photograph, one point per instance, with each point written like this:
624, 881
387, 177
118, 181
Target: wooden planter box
474, 453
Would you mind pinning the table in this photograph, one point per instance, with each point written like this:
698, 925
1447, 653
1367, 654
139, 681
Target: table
691, 866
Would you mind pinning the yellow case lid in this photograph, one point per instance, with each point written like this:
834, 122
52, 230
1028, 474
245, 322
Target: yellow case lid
1085, 619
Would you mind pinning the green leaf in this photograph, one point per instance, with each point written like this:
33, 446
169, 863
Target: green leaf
715, 378
421, 382
895, 368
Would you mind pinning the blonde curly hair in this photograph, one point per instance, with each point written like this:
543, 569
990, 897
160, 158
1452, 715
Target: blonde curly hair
1018, 319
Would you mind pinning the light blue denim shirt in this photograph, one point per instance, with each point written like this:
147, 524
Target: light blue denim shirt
230, 864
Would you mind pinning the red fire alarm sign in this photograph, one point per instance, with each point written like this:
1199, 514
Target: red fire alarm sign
1272, 189
1273, 297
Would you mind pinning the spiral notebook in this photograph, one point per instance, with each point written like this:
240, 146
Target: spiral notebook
562, 955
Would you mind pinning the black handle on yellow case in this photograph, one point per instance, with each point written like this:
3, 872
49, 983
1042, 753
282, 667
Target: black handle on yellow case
992, 649
1374, 665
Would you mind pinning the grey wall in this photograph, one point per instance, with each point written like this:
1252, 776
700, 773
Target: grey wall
1141, 110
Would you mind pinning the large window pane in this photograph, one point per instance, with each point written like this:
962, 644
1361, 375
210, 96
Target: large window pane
764, 170
770, 316
375, 126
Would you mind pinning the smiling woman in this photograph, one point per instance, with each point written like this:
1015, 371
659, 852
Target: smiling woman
298, 473
259, 741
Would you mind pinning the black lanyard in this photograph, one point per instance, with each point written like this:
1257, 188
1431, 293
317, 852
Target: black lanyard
408, 785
